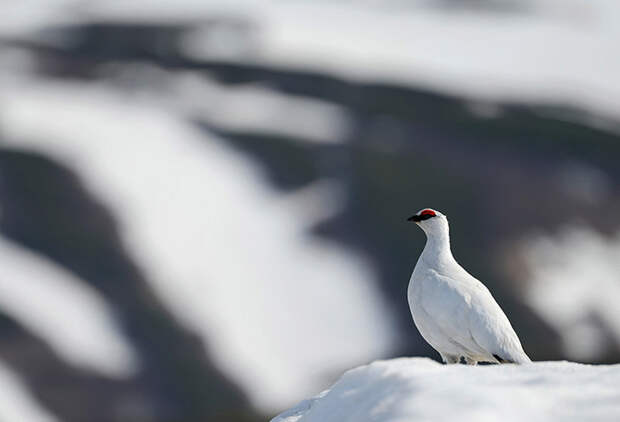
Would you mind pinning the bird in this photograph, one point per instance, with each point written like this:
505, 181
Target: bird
454, 312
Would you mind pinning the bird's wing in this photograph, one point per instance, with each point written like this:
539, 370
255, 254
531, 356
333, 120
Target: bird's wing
491, 329
464, 309
448, 304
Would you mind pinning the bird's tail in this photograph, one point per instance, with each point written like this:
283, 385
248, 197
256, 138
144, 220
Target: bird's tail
519, 359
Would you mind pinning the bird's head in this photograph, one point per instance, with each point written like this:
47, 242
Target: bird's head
430, 220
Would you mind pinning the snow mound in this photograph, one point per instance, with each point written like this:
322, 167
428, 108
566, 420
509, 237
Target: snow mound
420, 389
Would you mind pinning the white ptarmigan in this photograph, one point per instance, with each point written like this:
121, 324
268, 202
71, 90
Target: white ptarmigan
454, 312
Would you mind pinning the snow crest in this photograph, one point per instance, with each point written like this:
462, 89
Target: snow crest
412, 389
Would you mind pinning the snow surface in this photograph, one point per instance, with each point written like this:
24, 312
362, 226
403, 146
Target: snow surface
420, 389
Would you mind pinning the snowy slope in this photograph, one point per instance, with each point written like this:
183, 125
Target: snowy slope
533, 51
190, 233
43, 296
418, 389
574, 286
521, 50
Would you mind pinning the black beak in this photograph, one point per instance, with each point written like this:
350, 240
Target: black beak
414, 218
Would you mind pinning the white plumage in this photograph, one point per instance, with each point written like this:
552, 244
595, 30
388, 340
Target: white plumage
454, 312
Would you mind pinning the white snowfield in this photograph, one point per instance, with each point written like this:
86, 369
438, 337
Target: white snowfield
420, 389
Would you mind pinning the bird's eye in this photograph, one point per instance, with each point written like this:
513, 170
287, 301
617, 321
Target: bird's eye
425, 214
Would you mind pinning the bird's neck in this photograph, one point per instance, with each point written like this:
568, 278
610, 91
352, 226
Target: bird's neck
437, 251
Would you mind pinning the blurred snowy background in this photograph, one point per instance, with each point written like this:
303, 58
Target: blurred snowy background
203, 203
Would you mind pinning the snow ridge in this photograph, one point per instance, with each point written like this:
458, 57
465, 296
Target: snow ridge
408, 389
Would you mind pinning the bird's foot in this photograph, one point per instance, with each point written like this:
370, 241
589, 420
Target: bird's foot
448, 360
